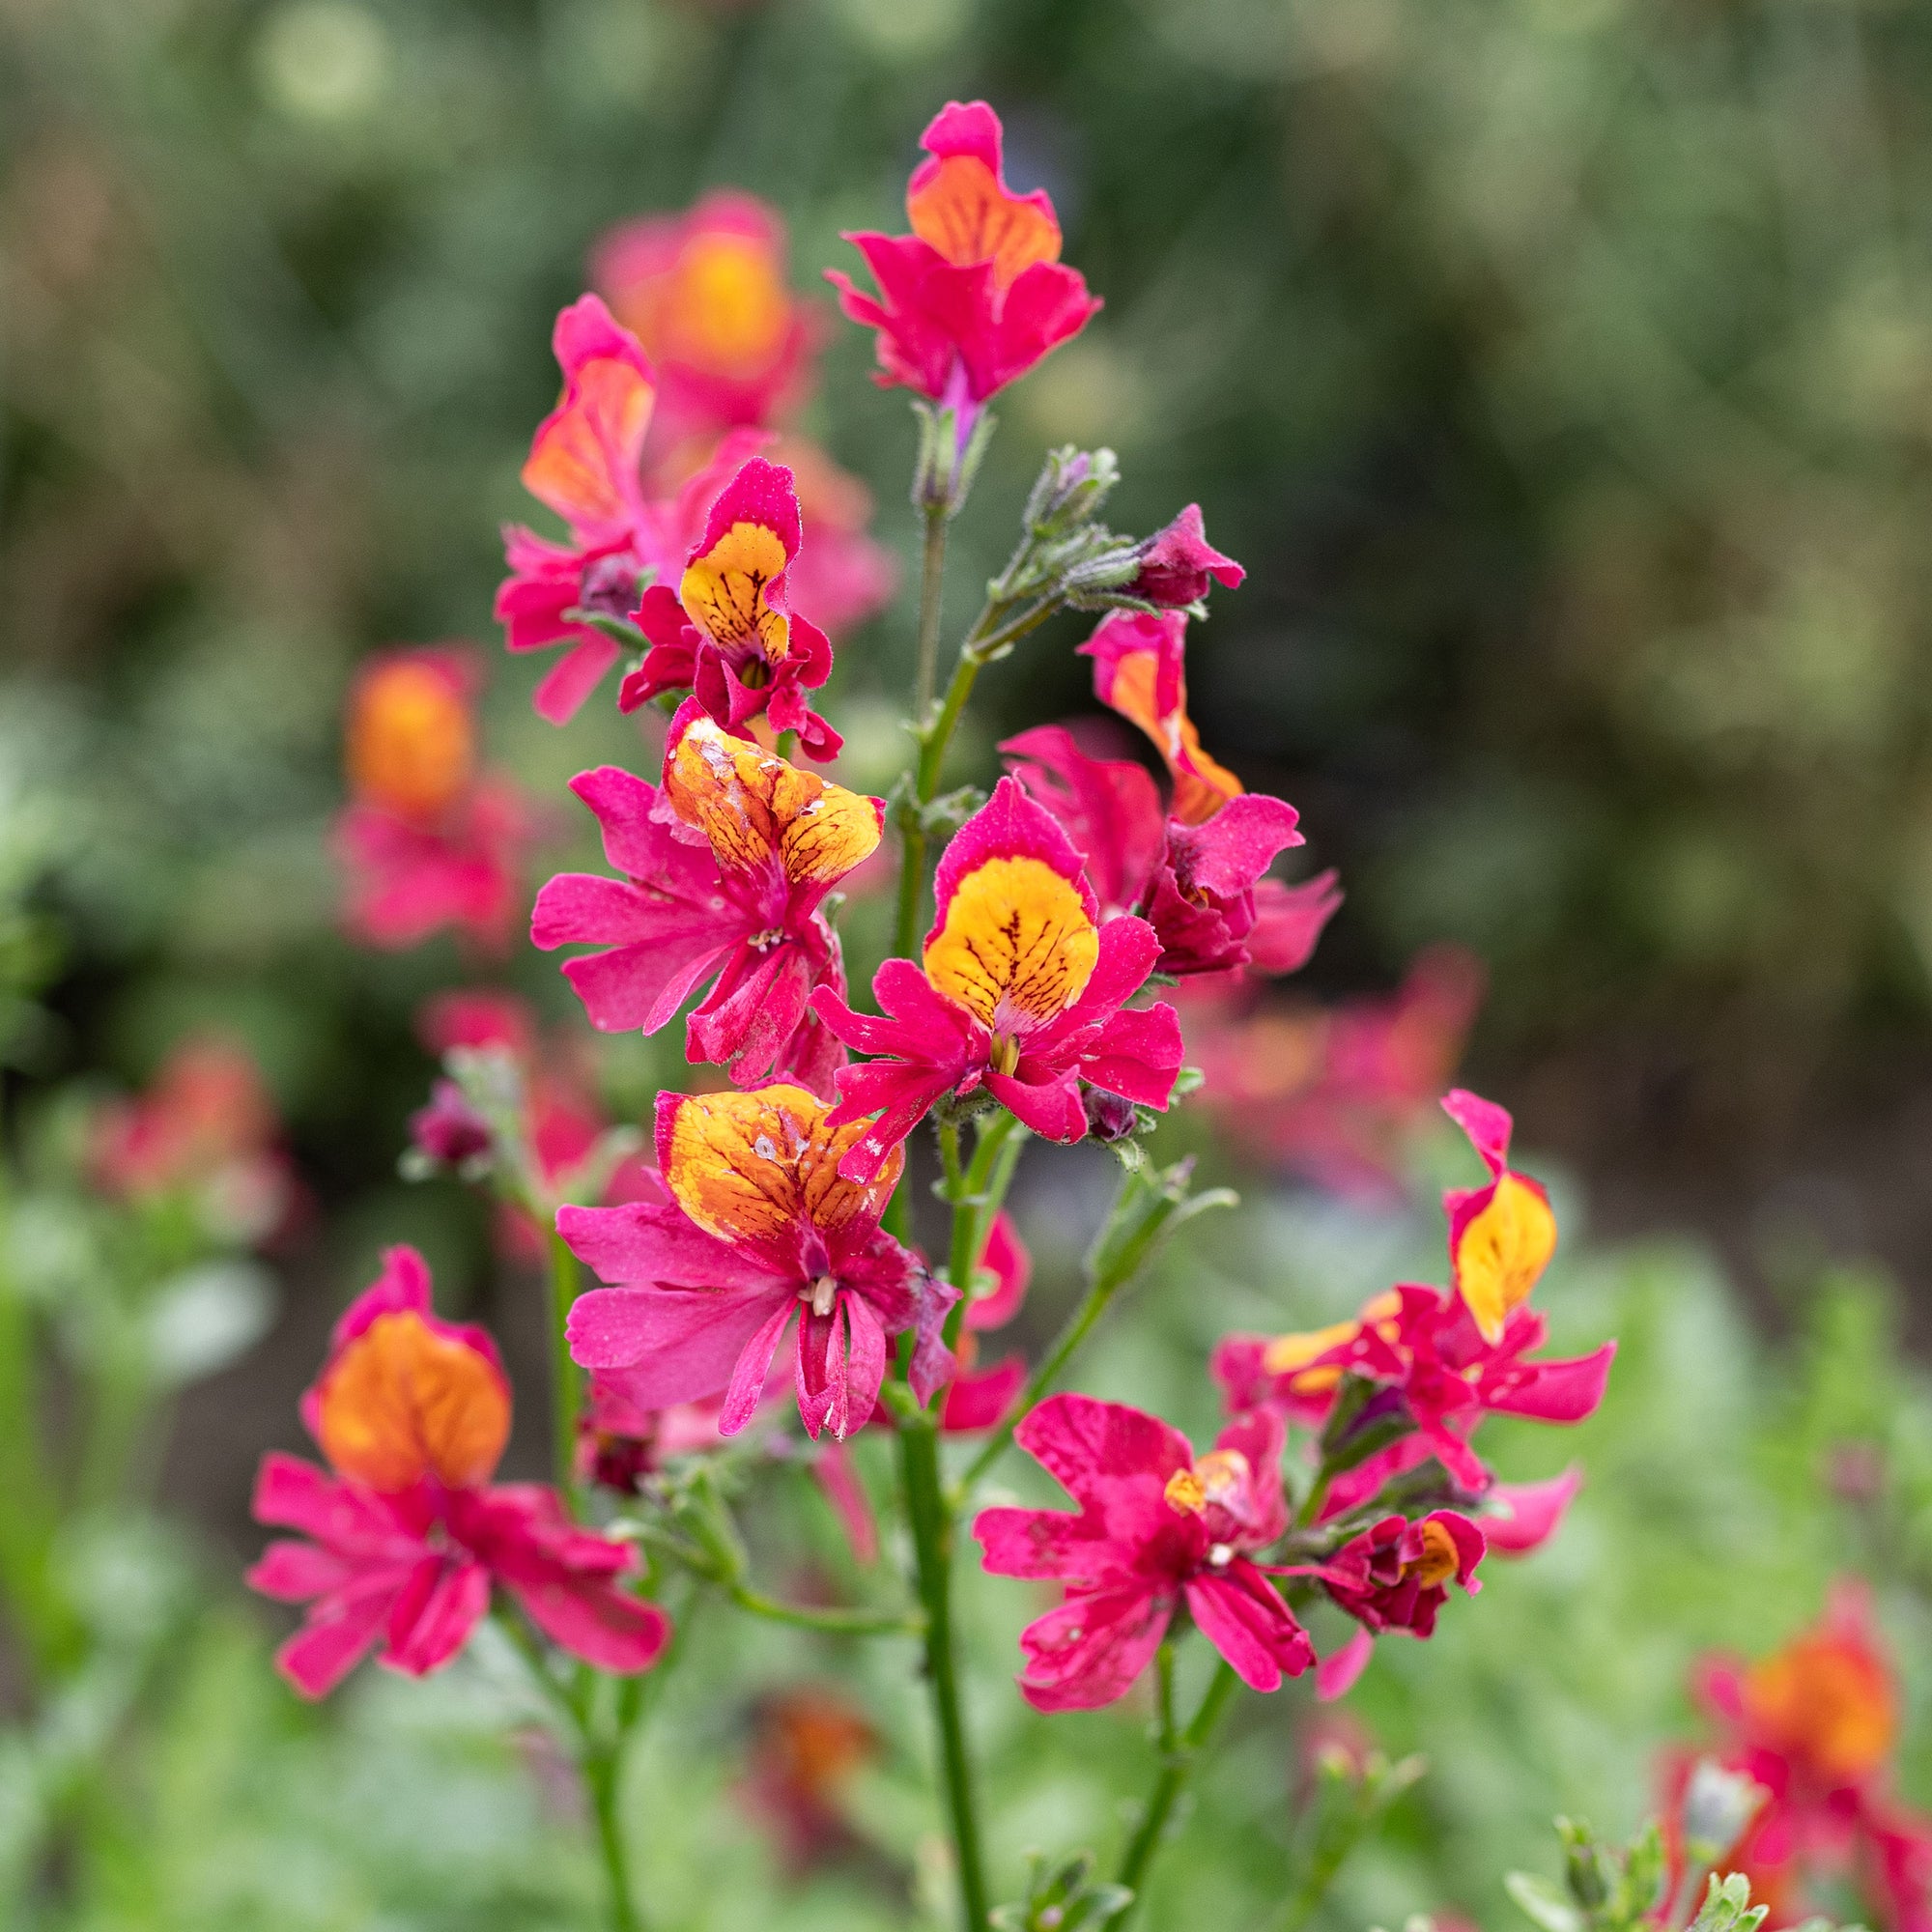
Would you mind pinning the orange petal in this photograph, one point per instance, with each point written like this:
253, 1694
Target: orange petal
1201, 785
1828, 1701
571, 463
1502, 1252
961, 211
412, 746
729, 310
754, 807
1440, 1560
747, 1167
1018, 943
404, 1401
724, 592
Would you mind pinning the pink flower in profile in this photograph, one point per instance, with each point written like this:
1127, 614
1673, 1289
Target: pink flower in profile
1178, 563
1022, 989
740, 909
980, 1397
426, 840
728, 633
584, 465
1156, 1527
408, 1535
1202, 888
1140, 671
976, 295
759, 1228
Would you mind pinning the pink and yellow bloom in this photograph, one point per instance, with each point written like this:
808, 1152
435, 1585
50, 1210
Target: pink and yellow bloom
728, 633
1022, 989
705, 293
760, 1226
1157, 1527
976, 295
406, 1535
1202, 888
1396, 1574
584, 465
725, 871
1437, 1366
427, 840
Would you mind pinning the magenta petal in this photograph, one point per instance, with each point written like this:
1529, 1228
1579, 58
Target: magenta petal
441, 1603
1532, 1512
1562, 1391
561, 691
1090, 1650
1137, 1055
979, 1400
753, 1370
338, 1634
672, 1345
1242, 1615
655, 1243
1050, 1105
1336, 1674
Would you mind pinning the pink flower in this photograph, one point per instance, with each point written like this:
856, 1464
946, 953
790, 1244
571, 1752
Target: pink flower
408, 1535
1155, 1525
584, 465
1178, 563
1200, 887
426, 841
203, 1130
980, 1397
974, 296
728, 633
758, 1229
705, 295
1396, 1574
739, 909
1023, 990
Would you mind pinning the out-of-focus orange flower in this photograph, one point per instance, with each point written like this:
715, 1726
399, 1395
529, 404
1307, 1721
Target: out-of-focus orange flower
807, 1744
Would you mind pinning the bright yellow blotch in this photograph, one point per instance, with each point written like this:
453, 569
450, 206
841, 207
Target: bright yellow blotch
1017, 946
1284, 1355
570, 469
727, 309
1502, 1252
724, 593
403, 1401
1439, 1560
1201, 785
1220, 1476
750, 1166
411, 747
754, 807
961, 212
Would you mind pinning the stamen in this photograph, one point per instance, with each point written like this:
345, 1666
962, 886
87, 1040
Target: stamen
822, 1293
1005, 1052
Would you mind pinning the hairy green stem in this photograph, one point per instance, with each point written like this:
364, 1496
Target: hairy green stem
931, 1526
931, 584
1178, 1757
566, 1385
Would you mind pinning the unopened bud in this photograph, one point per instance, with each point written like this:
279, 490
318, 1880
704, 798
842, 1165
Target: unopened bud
449, 1130
1069, 490
1109, 1117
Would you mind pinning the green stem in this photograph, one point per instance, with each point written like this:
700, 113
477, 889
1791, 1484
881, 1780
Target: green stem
931, 1526
976, 1196
603, 1774
932, 582
832, 1621
566, 1385
1178, 1757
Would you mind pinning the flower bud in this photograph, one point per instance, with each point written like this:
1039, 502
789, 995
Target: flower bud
1178, 563
1109, 1117
449, 1130
1071, 486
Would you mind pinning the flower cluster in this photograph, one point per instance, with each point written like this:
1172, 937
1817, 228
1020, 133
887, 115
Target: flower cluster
716, 557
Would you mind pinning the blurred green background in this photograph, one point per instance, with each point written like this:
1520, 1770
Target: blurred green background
1561, 369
